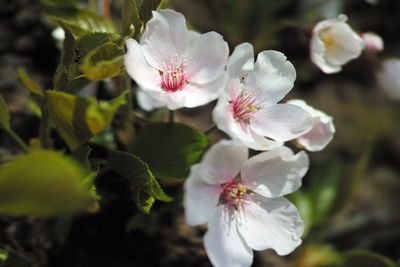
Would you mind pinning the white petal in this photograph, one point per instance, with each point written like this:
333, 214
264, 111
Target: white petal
241, 62
146, 101
271, 223
201, 94
389, 78
275, 173
200, 199
282, 122
322, 132
135, 64
317, 54
273, 74
224, 160
348, 45
224, 246
164, 38
206, 58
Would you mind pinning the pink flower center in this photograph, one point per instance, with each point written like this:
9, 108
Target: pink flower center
173, 77
243, 107
234, 193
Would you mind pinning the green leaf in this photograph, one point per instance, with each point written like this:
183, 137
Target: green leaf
325, 183
145, 186
3, 255
77, 119
170, 149
59, 3
80, 21
4, 115
28, 83
366, 258
103, 62
146, 7
304, 204
130, 17
44, 183
69, 45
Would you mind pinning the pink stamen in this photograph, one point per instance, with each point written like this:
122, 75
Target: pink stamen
244, 106
173, 78
234, 193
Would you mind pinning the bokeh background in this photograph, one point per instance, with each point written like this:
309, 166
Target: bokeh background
351, 195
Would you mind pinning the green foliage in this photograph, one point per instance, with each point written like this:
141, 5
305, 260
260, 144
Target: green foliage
3, 255
130, 17
145, 186
170, 148
104, 62
28, 83
44, 183
366, 258
145, 8
77, 119
4, 115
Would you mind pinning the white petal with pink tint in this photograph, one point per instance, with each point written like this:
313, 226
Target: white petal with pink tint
224, 160
200, 198
206, 58
224, 246
241, 62
146, 101
322, 132
271, 223
275, 173
282, 122
274, 74
138, 68
373, 42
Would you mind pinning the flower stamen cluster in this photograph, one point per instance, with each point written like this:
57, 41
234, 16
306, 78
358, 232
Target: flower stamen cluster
173, 77
233, 194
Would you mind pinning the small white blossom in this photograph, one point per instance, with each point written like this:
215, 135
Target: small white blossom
176, 66
242, 201
389, 78
333, 44
247, 110
321, 134
373, 42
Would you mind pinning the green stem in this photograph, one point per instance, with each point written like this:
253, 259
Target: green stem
17, 139
44, 130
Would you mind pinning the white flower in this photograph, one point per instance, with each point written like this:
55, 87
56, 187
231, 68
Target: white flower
176, 66
321, 134
373, 42
242, 201
333, 44
146, 101
247, 109
389, 78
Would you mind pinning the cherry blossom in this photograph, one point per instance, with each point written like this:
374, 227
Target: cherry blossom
333, 44
248, 109
146, 101
176, 66
242, 201
322, 132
